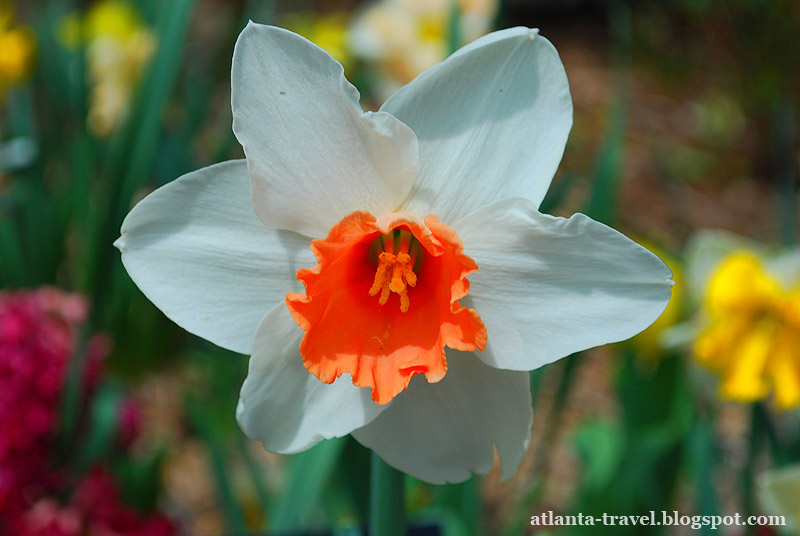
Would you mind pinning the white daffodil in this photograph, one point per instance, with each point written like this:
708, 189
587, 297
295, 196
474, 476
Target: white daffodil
351, 199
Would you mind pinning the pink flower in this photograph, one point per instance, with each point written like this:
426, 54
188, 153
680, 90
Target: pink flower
95, 509
98, 498
38, 335
48, 518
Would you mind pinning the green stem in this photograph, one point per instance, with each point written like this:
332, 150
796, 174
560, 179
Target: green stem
748, 478
387, 506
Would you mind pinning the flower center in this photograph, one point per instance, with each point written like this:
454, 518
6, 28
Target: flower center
395, 271
351, 326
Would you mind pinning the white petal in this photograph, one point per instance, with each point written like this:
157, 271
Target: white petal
314, 156
443, 432
547, 287
492, 121
197, 250
287, 408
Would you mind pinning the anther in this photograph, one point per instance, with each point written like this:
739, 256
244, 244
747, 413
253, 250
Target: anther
395, 271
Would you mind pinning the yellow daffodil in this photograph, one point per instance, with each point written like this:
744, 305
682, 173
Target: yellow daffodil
750, 332
119, 46
114, 19
389, 271
17, 46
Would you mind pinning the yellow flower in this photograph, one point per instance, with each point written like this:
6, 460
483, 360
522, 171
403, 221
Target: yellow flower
405, 37
111, 19
751, 337
114, 68
17, 45
119, 46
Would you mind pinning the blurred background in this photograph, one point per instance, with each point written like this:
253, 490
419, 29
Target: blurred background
113, 421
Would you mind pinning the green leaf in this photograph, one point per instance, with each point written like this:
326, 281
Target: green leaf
601, 446
102, 431
309, 473
454, 30
702, 454
140, 478
12, 261
463, 501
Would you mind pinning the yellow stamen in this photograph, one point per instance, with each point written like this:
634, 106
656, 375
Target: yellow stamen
404, 302
384, 295
386, 261
408, 273
395, 271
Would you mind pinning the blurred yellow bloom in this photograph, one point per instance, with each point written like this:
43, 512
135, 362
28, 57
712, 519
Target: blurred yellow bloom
752, 336
112, 19
405, 37
329, 32
118, 47
17, 45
